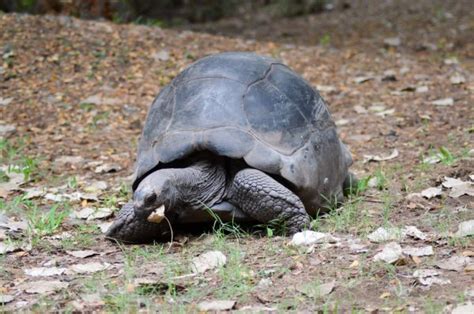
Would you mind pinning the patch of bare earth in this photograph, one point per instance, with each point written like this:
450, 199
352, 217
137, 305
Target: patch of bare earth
73, 98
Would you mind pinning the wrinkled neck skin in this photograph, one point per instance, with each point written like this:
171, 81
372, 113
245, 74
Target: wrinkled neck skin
201, 184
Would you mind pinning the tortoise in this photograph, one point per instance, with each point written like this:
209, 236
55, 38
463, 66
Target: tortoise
238, 134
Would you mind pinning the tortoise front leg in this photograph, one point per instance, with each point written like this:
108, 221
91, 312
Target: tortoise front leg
264, 199
130, 228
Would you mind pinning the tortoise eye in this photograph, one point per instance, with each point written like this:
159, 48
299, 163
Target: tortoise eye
149, 199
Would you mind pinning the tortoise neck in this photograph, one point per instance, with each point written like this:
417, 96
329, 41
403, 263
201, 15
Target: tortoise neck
201, 184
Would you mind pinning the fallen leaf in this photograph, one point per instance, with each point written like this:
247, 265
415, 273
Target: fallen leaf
6, 298
443, 102
82, 254
90, 213
34, 192
309, 237
354, 264
414, 232
207, 261
382, 234
162, 55
13, 179
465, 228
7, 130
466, 188
393, 155
457, 79
421, 89
44, 271
84, 213
101, 100
106, 168
7, 248
464, 308
469, 268
391, 253
101, 213
43, 287
384, 113
5, 101
317, 291
89, 268
392, 41
451, 182
384, 295
450, 61
454, 263
342, 122
359, 109
104, 226
429, 193
326, 88
216, 305
12, 225
363, 79
96, 186
68, 160
428, 277
418, 251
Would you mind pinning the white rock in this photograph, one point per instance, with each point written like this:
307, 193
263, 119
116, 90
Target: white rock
392, 41
428, 277
216, 305
451, 182
7, 248
464, 309
207, 261
43, 286
89, 268
68, 160
101, 100
6, 298
44, 271
309, 237
82, 253
162, 55
454, 263
457, 79
363, 79
382, 235
393, 155
422, 89
7, 130
429, 193
106, 168
465, 228
466, 188
418, 251
414, 232
443, 102
5, 101
101, 213
391, 253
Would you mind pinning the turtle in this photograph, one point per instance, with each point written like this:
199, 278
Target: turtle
240, 136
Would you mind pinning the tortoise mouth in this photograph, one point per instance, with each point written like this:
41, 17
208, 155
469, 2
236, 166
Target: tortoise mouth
157, 215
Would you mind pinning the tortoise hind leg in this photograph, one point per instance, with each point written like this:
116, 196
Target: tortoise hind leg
264, 199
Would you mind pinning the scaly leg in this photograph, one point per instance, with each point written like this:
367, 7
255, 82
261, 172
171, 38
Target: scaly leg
264, 199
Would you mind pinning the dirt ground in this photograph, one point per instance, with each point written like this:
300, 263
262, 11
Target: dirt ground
397, 78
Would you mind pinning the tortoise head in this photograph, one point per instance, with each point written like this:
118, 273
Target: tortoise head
154, 192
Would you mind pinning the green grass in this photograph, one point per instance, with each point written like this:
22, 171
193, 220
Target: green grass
46, 223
